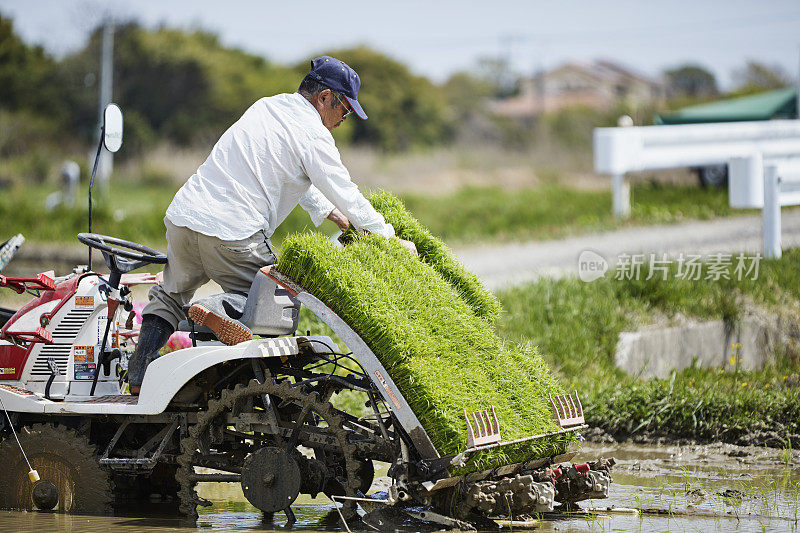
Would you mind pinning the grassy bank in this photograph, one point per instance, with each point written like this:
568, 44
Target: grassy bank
473, 214
576, 326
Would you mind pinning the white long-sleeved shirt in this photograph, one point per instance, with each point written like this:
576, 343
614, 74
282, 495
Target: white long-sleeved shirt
278, 154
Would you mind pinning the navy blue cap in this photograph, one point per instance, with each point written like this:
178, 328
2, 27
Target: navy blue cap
338, 76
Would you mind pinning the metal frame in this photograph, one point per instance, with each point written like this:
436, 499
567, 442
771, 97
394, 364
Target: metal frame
161, 438
377, 373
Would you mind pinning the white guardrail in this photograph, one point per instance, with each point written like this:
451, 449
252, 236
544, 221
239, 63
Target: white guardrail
618, 151
781, 187
754, 151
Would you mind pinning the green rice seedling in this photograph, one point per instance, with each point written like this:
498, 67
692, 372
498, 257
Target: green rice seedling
786, 453
443, 358
434, 252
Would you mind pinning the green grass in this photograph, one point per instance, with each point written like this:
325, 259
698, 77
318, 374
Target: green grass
474, 214
705, 404
442, 356
552, 211
131, 211
576, 326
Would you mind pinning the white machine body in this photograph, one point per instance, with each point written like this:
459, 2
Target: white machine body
75, 316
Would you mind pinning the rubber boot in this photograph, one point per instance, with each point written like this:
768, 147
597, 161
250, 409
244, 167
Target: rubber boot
220, 313
154, 334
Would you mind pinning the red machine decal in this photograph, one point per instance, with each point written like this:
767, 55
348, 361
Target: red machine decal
389, 392
12, 359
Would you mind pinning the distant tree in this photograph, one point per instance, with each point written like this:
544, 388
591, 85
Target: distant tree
756, 77
27, 75
404, 110
692, 81
466, 93
497, 73
187, 87
184, 86
573, 126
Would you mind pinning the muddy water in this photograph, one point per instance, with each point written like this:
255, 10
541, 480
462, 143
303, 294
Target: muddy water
668, 488
696, 488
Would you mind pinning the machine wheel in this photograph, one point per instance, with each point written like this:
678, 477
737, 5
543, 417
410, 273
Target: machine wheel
70, 476
206, 445
713, 176
365, 475
271, 479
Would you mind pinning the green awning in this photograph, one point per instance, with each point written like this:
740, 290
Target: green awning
781, 103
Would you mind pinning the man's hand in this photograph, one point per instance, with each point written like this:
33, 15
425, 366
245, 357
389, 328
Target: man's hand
408, 245
339, 219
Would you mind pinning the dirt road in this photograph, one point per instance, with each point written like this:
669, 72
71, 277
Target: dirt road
511, 264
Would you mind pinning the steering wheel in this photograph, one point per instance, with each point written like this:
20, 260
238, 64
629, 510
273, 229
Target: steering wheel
129, 256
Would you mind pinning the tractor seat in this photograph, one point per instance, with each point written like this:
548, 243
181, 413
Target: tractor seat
269, 311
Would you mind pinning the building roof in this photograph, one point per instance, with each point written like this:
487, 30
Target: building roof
602, 71
780, 103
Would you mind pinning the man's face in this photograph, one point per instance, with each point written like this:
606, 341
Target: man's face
332, 110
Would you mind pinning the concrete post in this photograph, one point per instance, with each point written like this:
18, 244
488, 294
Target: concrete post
771, 214
621, 196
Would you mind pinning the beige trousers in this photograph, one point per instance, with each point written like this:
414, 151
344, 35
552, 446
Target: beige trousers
194, 258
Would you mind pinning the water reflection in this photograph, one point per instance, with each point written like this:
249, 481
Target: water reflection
680, 489
238, 516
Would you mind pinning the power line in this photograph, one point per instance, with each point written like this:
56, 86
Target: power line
627, 33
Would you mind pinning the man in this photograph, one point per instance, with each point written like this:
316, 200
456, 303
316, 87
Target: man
278, 154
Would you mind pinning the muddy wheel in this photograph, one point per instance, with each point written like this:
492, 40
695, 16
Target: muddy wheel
302, 413
64, 459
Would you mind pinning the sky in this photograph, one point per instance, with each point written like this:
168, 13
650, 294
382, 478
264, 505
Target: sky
437, 38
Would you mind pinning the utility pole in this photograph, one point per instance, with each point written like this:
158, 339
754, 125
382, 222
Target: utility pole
507, 42
106, 164
540, 81
538, 103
